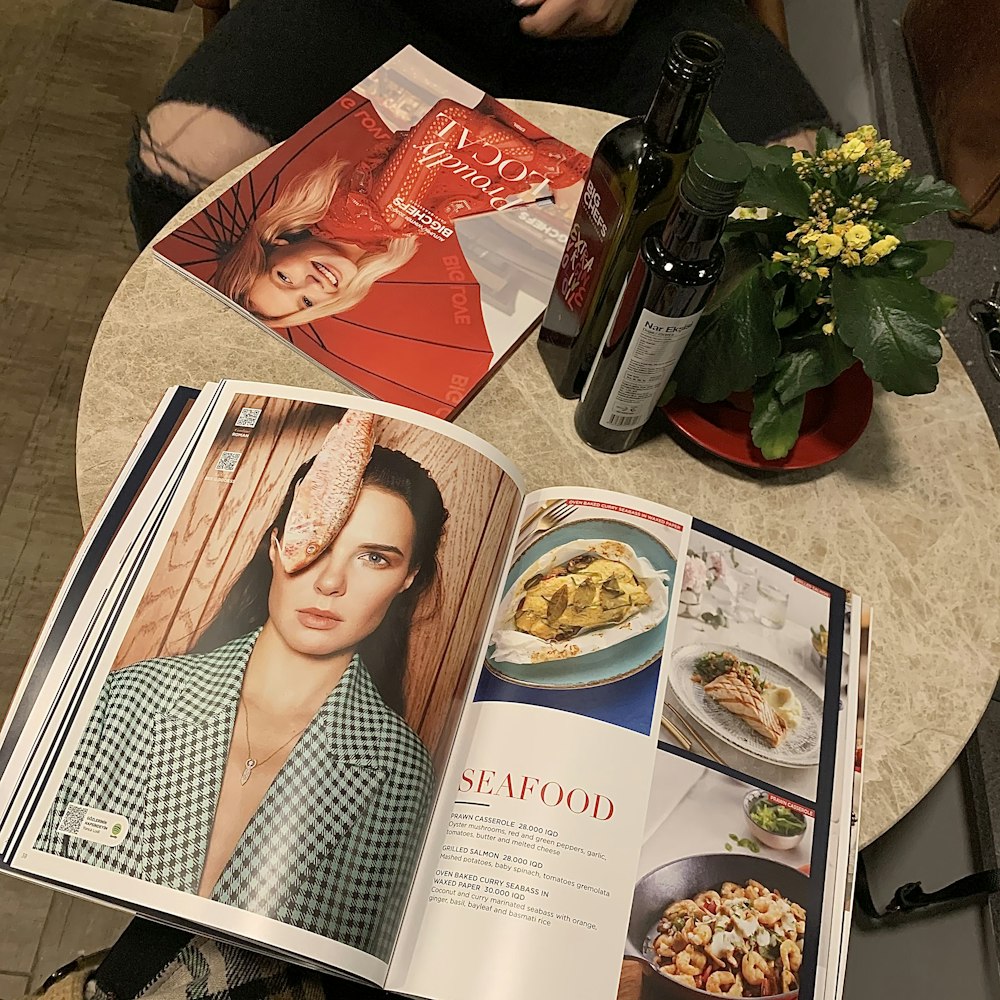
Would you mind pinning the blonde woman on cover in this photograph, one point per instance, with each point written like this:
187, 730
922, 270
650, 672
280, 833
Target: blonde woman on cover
334, 231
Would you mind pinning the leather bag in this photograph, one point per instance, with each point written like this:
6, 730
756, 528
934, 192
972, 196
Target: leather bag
954, 49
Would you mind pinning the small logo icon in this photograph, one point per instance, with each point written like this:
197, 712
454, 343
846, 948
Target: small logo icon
116, 830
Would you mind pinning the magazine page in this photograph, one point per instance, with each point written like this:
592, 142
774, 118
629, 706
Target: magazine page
261, 727
529, 889
839, 836
48, 694
731, 882
149, 447
857, 785
406, 239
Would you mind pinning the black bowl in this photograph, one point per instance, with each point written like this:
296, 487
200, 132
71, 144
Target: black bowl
683, 879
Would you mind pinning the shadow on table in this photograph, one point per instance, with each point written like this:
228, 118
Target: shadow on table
871, 460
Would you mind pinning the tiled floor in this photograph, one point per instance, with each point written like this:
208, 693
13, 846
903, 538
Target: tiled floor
72, 74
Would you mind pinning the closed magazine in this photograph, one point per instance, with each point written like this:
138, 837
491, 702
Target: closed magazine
406, 239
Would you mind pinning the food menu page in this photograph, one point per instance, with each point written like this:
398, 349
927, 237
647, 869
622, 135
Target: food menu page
743, 786
552, 770
656, 816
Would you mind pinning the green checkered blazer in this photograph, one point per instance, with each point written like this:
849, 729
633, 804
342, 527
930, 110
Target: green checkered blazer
334, 843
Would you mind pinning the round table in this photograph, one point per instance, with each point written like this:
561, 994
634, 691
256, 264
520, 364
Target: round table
908, 517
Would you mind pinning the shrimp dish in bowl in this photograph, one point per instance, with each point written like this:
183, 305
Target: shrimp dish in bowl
721, 925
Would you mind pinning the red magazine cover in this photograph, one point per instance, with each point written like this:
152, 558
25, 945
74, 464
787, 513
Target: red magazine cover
406, 239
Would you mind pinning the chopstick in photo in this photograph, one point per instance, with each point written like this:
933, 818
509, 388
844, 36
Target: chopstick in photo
691, 732
682, 740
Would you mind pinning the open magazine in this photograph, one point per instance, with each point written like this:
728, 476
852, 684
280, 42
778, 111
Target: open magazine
406, 239
331, 685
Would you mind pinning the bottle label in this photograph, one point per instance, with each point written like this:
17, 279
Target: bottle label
651, 357
588, 242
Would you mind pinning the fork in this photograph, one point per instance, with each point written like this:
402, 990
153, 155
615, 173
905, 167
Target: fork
554, 515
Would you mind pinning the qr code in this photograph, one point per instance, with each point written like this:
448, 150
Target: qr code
72, 819
228, 461
248, 417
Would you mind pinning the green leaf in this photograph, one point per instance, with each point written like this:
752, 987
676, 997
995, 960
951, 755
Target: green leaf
774, 425
786, 316
669, 391
732, 345
711, 129
806, 292
891, 324
773, 229
826, 139
765, 156
811, 367
938, 254
914, 197
944, 305
907, 260
779, 188
743, 254
844, 182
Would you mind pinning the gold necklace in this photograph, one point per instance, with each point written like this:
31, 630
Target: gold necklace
252, 762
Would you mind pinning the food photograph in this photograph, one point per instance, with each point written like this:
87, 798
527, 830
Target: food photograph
722, 901
586, 601
585, 611
747, 670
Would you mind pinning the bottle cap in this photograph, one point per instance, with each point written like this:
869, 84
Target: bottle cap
693, 55
715, 177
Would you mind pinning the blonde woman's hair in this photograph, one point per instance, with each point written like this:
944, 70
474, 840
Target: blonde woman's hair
302, 204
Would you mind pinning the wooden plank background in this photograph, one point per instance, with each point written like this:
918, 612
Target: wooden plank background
219, 527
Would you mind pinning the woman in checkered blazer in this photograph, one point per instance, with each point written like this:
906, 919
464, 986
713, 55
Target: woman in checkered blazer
273, 771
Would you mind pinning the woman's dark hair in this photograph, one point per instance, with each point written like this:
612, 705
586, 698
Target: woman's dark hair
386, 650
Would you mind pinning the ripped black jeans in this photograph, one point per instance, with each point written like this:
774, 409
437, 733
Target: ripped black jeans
272, 65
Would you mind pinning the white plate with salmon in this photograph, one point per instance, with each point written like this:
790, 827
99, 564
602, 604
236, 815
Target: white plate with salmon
749, 702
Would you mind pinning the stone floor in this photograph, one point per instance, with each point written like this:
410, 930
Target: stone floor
73, 73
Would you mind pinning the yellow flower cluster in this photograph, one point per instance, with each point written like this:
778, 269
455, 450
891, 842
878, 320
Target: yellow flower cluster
862, 148
844, 233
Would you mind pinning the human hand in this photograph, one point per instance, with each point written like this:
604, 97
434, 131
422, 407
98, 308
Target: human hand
575, 18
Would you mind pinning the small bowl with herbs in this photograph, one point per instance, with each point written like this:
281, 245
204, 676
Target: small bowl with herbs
774, 825
820, 641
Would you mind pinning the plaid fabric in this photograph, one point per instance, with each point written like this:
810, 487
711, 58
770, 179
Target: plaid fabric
334, 843
209, 970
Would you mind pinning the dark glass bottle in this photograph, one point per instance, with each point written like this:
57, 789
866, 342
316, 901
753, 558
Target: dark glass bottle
664, 295
631, 185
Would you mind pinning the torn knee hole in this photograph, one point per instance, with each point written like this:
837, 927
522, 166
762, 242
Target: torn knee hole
157, 159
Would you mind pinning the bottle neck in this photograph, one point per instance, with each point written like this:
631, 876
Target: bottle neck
690, 235
675, 115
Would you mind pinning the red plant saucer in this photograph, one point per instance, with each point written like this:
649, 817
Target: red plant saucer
833, 420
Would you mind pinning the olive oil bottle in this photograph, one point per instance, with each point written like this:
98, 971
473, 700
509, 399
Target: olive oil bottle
631, 185
668, 288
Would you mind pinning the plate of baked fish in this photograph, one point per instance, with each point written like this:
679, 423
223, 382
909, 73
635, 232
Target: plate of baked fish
586, 604
750, 702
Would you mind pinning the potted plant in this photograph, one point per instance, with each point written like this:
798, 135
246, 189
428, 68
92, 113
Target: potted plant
820, 275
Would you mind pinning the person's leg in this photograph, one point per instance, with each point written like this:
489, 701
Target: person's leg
264, 72
761, 95
270, 67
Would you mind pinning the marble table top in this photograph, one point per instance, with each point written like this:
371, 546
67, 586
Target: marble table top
908, 517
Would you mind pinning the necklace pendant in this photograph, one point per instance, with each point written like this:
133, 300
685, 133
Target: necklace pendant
247, 771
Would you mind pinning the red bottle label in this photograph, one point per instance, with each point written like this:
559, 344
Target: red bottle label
588, 244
